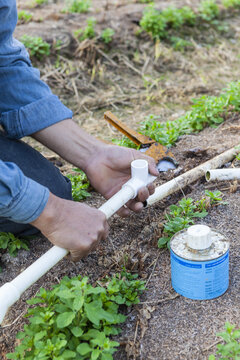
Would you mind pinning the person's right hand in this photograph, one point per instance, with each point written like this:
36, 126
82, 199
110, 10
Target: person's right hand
72, 226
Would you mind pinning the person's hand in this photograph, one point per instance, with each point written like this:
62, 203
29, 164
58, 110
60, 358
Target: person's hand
110, 167
72, 226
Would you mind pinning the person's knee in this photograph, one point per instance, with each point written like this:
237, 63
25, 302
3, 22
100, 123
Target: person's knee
35, 166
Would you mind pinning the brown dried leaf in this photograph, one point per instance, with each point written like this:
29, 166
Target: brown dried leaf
144, 316
233, 186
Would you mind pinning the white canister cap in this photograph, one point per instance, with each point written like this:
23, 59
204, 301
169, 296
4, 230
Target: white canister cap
199, 237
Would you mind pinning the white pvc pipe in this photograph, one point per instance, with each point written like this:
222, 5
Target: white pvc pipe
223, 174
11, 292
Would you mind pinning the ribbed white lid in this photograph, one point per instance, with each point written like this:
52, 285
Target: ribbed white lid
199, 237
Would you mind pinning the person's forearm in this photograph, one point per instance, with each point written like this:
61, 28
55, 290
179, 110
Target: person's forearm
71, 142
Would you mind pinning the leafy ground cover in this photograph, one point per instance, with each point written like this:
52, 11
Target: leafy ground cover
231, 347
80, 185
79, 6
75, 320
11, 245
158, 23
206, 111
24, 16
36, 45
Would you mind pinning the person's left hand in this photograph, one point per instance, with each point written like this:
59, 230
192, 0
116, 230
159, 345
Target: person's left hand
109, 168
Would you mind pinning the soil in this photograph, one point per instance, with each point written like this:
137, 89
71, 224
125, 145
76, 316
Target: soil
94, 78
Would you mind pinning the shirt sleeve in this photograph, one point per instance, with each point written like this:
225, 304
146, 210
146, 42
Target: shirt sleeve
27, 104
22, 199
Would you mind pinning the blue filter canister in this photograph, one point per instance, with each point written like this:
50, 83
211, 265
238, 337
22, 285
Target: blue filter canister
199, 263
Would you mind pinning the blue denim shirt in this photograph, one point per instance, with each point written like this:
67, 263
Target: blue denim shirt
26, 106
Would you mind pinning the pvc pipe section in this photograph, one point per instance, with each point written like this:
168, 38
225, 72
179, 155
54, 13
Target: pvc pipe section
223, 174
11, 291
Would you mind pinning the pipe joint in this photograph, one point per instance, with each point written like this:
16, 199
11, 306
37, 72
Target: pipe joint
135, 185
140, 176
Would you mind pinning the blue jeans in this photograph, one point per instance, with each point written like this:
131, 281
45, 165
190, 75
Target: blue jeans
36, 167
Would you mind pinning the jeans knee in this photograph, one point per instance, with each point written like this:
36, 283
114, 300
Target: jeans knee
63, 188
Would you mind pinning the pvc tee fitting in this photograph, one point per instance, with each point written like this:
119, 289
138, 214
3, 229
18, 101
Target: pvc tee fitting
140, 176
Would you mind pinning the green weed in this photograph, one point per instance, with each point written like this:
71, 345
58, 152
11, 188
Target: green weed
37, 47
153, 23
39, 2
24, 17
208, 10
231, 3
180, 44
182, 216
88, 32
78, 6
75, 320
124, 288
160, 23
166, 133
126, 142
231, 348
157, 24
107, 35
215, 197
80, 184
12, 244
175, 18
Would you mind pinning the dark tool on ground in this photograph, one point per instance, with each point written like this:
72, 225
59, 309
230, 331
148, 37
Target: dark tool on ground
163, 157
